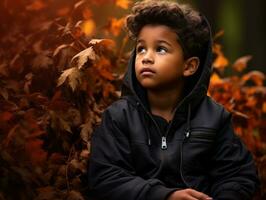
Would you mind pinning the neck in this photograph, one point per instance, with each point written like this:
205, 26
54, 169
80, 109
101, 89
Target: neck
164, 102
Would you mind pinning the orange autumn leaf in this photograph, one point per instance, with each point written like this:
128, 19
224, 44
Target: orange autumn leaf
215, 79
123, 3
115, 25
256, 77
88, 27
251, 102
220, 61
36, 5
241, 63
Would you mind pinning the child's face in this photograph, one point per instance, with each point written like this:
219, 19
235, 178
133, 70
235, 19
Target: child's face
159, 60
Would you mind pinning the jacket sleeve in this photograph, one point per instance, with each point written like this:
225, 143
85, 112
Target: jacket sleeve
111, 173
233, 174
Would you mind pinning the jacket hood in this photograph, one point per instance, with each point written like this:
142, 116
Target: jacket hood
197, 84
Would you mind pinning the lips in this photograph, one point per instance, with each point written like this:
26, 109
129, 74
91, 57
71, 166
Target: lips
147, 70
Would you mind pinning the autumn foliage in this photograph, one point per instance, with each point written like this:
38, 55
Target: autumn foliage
57, 74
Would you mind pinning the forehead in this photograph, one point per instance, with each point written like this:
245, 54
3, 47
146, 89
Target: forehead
157, 32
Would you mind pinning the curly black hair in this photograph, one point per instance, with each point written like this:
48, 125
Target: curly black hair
191, 28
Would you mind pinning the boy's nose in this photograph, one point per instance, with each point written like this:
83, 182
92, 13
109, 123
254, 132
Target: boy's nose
148, 58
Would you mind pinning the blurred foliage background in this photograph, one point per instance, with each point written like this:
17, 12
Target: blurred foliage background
62, 63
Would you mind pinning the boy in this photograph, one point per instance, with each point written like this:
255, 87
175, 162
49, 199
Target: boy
165, 139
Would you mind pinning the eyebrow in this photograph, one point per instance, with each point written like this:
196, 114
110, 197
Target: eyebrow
159, 41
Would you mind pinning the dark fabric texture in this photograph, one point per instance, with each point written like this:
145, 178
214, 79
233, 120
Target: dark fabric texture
201, 151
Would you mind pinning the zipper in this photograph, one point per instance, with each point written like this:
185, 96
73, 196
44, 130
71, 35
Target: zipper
163, 136
164, 144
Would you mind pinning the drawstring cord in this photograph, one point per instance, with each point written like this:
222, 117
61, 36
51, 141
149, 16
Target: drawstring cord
187, 133
148, 131
146, 127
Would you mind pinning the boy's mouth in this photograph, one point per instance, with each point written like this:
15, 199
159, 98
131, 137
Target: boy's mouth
146, 70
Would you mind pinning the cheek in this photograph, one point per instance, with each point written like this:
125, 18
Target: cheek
137, 65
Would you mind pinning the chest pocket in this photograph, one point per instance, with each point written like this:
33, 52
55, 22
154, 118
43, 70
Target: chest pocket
197, 149
201, 135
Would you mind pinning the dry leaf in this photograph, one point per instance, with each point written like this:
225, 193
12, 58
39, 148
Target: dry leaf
256, 77
41, 61
220, 61
115, 25
86, 130
100, 46
74, 195
241, 63
87, 56
73, 75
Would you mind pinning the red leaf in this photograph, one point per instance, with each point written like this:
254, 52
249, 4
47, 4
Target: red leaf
35, 152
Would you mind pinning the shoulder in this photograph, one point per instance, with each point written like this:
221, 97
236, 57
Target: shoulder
211, 112
120, 109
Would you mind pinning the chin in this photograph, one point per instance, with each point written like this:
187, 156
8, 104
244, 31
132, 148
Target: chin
148, 85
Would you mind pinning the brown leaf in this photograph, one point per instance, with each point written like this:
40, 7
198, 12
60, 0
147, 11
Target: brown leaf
76, 166
34, 149
59, 49
86, 130
87, 56
58, 123
4, 93
85, 154
241, 63
73, 75
80, 4
101, 45
41, 61
73, 116
74, 195
3, 69
218, 34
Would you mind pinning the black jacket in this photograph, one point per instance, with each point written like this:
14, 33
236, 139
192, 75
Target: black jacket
132, 158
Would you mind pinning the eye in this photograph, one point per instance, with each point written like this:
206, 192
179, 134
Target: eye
162, 50
140, 49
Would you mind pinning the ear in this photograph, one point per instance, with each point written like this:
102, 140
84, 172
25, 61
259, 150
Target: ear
191, 65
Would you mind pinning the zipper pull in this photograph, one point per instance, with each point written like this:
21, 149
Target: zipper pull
187, 134
164, 144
